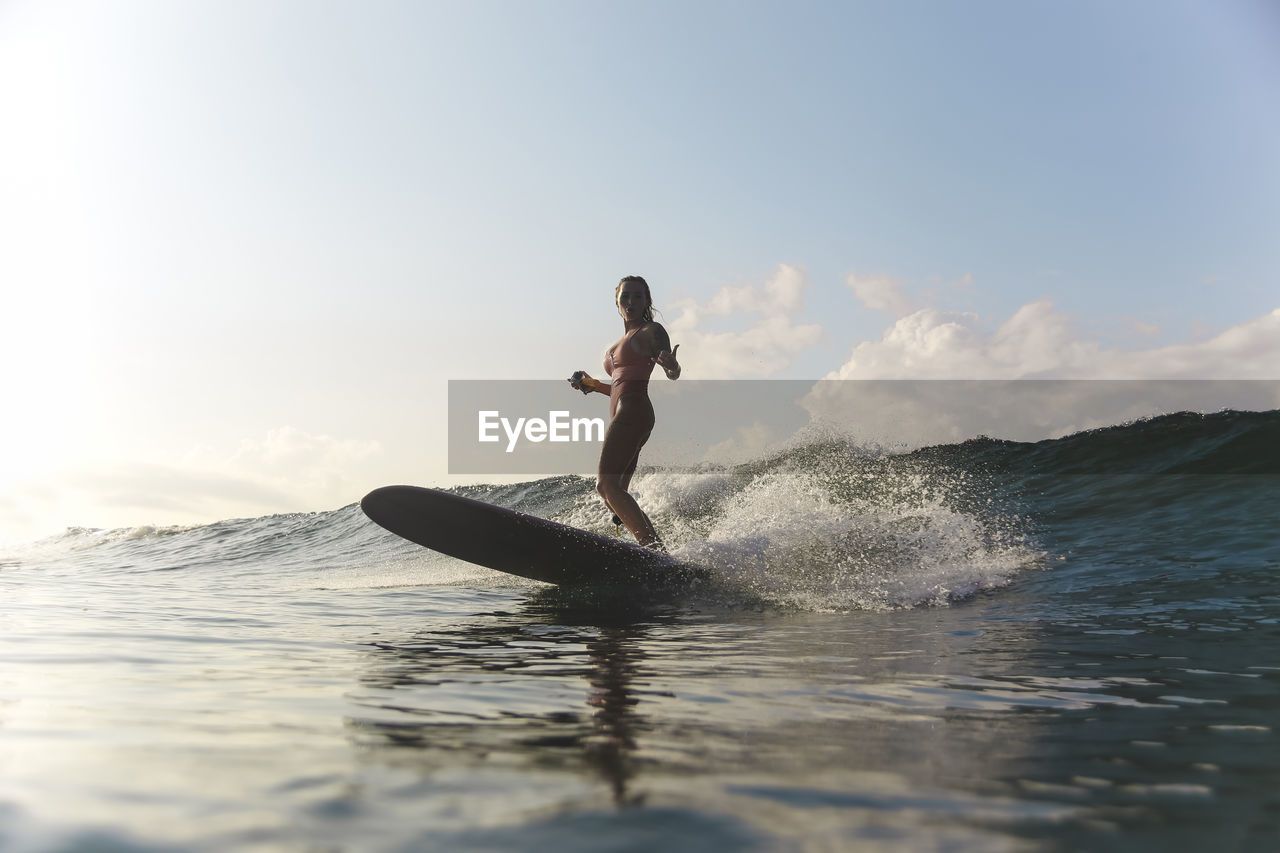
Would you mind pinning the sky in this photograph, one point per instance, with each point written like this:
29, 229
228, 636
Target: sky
245, 244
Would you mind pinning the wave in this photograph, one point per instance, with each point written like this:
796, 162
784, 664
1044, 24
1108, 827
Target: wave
826, 525
1227, 442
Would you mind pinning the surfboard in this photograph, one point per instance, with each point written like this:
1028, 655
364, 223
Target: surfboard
499, 538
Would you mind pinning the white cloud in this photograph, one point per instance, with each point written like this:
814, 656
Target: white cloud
747, 442
309, 468
289, 451
1040, 342
903, 414
881, 293
1036, 342
780, 294
288, 470
1249, 350
766, 346
1141, 327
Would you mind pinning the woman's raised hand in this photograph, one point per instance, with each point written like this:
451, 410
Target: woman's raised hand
669, 363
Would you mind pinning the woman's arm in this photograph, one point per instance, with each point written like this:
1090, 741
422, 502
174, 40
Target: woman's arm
665, 354
580, 381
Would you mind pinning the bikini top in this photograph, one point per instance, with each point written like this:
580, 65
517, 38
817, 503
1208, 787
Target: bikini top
628, 364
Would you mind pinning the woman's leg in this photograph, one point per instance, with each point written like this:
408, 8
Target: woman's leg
627, 433
625, 480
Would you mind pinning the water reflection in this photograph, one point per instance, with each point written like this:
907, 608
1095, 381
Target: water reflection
959, 717
615, 662
509, 687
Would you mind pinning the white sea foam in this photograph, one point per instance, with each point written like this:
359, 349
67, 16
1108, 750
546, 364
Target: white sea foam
792, 537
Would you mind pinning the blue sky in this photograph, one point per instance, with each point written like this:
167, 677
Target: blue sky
251, 241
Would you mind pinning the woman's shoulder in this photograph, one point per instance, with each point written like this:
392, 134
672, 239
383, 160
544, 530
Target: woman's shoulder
657, 333
652, 329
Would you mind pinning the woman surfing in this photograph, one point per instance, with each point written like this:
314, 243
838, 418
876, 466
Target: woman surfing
628, 363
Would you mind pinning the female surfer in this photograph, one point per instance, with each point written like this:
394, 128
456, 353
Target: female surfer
628, 363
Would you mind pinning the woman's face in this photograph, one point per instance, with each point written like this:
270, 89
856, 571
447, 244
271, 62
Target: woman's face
632, 301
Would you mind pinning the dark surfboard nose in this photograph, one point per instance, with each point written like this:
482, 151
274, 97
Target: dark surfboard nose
378, 502
380, 505
501, 538
404, 510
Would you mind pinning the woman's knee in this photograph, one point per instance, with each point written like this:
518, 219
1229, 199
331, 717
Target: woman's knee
605, 486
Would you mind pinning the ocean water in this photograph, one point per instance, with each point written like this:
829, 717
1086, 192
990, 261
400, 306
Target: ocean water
1067, 645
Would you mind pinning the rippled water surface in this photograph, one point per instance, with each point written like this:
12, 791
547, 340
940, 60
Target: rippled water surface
1099, 669
149, 716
